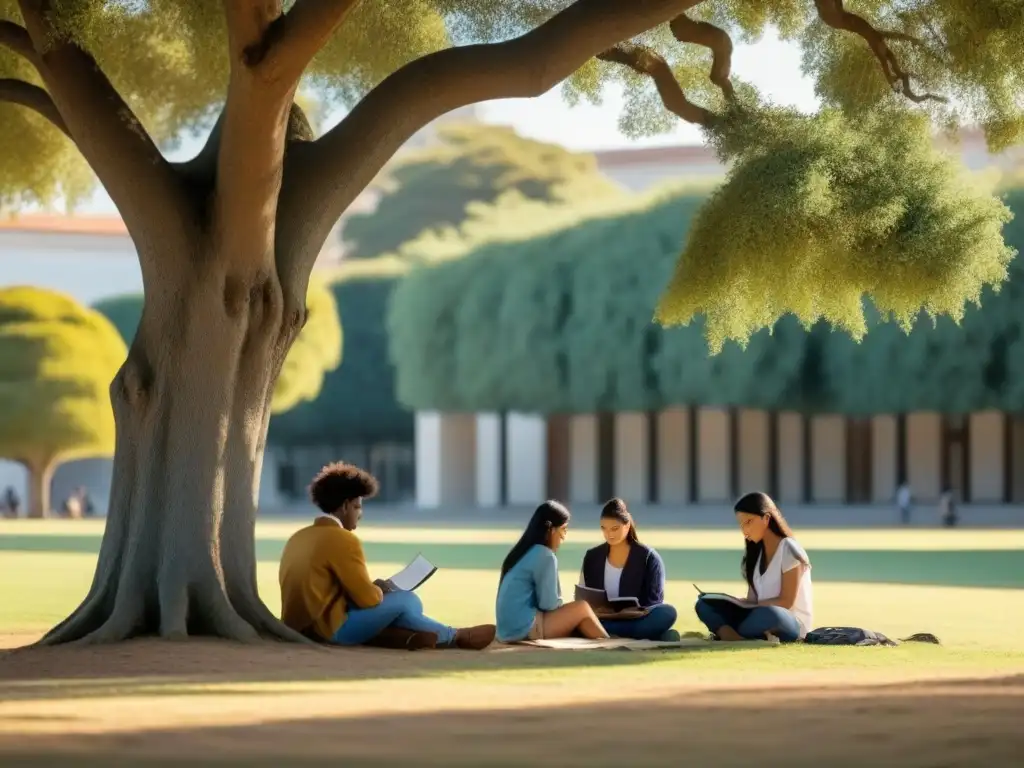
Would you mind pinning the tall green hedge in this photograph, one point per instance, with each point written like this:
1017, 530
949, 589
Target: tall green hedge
561, 322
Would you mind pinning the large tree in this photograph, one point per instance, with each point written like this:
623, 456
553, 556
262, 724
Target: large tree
314, 355
227, 240
56, 362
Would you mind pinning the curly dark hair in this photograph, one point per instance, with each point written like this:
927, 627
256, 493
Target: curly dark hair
340, 482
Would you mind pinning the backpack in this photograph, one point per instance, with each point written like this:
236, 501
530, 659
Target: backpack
847, 636
864, 637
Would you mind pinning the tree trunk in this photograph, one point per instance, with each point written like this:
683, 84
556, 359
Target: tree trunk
40, 480
191, 407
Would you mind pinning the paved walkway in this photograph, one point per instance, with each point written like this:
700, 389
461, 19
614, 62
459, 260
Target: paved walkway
694, 516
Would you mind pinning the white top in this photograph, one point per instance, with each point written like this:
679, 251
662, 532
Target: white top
612, 577
769, 585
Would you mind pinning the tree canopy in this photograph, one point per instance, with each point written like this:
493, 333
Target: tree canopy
57, 360
560, 322
435, 188
315, 353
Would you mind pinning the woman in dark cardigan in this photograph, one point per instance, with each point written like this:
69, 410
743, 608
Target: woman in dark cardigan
623, 567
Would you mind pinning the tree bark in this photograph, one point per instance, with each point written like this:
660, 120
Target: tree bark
40, 478
191, 408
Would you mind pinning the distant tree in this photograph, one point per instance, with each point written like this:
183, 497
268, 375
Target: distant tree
436, 187
315, 353
57, 360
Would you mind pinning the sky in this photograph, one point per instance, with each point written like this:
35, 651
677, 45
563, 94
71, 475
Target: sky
771, 65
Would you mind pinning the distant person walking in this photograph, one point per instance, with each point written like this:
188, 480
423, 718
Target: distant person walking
947, 509
905, 502
12, 502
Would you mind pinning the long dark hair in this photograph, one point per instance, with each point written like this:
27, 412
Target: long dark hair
616, 510
547, 516
760, 504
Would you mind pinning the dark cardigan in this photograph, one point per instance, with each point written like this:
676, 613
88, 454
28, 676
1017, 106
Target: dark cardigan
643, 575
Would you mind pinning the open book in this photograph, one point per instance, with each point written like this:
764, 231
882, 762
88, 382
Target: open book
598, 599
739, 603
414, 574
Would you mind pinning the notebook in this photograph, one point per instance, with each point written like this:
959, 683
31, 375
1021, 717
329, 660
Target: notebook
410, 578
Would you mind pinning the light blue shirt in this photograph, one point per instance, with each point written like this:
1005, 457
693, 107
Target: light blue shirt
530, 586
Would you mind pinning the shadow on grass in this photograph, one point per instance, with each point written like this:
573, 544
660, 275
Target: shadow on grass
946, 568
972, 723
155, 668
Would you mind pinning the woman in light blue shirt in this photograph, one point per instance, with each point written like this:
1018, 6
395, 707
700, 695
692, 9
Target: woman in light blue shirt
529, 605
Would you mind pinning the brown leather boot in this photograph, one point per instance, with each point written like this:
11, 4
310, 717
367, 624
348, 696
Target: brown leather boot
403, 640
475, 638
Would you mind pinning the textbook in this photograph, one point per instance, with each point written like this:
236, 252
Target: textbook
598, 598
725, 598
410, 578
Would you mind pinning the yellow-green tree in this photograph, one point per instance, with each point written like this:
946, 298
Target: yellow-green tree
227, 240
57, 359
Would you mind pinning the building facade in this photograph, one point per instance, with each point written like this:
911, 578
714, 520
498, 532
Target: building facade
697, 455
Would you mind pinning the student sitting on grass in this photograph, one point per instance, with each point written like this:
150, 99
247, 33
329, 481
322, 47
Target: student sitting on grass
529, 605
778, 575
327, 593
623, 567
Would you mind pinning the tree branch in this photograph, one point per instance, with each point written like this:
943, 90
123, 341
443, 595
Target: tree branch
16, 38
291, 41
687, 30
835, 15
142, 184
644, 61
33, 97
321, 179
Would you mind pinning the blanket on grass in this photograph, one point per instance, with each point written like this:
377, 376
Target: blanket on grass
625, 644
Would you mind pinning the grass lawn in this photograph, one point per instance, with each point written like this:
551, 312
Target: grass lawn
150, 699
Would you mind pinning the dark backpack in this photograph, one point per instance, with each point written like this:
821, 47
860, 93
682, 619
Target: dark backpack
847, 636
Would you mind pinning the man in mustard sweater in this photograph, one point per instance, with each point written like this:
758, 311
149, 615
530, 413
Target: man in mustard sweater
326, 590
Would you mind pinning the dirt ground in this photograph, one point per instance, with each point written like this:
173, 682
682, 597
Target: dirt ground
153, 703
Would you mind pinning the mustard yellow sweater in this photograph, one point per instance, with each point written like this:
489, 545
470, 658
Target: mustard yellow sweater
323, 571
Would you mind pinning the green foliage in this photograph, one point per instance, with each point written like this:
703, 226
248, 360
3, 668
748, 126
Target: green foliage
357, 402
939, 365
315, 353
57, 360
818, 212
436, 188
559, 321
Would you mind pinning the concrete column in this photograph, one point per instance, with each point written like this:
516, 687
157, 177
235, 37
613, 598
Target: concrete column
631, 459
488, 459
791, 458
924, 452
674, 456
828, 466
713, 467
885, 462
526, 455
987, 433
753, 451
583, 458
1017, 458
445, 459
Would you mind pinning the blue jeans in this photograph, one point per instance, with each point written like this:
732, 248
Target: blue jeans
651, 627
398, 609
756, 622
